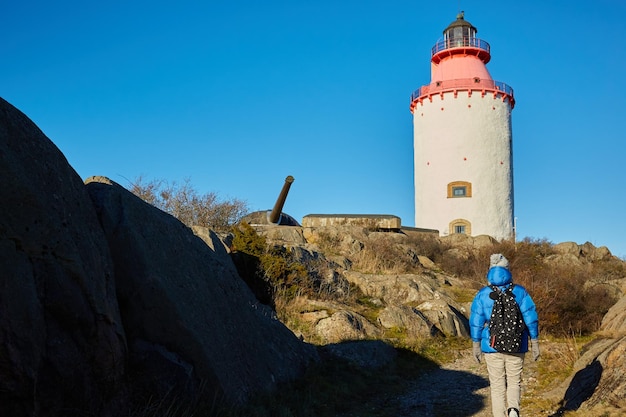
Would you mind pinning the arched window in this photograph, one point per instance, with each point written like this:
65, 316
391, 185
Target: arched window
459, 189
460, 227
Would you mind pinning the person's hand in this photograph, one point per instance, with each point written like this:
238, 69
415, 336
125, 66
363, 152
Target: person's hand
534, 348
476, 351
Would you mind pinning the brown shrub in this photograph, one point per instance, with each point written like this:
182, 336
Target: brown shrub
566, 295
427, 245
570, 298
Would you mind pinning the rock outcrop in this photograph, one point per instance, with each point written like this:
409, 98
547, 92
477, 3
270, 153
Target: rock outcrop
188, 317
408, 319
614, 321
346, 325
414, 304
61, 338
599, 376
586, 250
421, 291
106, 300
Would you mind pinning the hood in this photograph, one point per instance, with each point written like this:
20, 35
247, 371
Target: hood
499, 275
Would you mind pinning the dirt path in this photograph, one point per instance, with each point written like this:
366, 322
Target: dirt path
459, 389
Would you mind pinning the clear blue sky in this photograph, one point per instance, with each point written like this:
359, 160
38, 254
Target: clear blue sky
236, 95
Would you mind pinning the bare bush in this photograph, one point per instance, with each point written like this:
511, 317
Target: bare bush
463, 264
428, 245
569, 298
187, 205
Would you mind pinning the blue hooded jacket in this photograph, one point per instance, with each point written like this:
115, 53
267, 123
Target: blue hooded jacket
482, 306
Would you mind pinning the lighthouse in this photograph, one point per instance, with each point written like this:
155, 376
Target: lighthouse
463, 140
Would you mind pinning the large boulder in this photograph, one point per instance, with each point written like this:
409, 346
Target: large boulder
283, 235
394, 288
407, 319
614, 321
586, 250
611, 388
570, 248
344, 326
426, 292
62, 345
185, 323
599, 378
190, 320
589, 251
448, 319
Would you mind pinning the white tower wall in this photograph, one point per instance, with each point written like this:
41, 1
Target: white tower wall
468, 139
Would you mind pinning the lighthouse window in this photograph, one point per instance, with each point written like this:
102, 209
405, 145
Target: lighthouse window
460, 226
459, 189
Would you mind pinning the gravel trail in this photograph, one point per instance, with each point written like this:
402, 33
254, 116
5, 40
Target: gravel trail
459, 389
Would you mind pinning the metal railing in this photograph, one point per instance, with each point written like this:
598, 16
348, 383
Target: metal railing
474, 84
463, 42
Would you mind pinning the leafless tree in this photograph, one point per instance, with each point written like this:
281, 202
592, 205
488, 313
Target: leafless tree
185, 203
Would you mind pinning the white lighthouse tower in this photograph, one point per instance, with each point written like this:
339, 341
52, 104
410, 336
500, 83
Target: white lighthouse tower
463, 141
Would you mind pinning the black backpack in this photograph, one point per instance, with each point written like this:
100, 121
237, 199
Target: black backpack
506, 325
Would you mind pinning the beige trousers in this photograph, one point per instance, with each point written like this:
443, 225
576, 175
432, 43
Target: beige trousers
505, 379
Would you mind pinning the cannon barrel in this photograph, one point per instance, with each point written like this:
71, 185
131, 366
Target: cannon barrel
274, 216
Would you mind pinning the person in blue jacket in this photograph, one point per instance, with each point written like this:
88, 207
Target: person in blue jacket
505, 369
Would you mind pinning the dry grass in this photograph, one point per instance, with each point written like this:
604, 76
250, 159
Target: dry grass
463, 295
439, 350
384, 256
598, 411
558, 356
